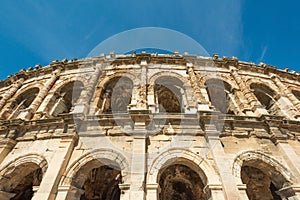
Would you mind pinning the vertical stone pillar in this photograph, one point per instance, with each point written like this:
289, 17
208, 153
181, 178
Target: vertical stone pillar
290, 156
6, 145
229, 184
242, 189
124, 187
7, 95
251, 102
138, 168
139, 99
216, 191
40, 97
205, 105
293, 101
195, 84
139, 154
58, 163
151, 98
152, 191
83, 104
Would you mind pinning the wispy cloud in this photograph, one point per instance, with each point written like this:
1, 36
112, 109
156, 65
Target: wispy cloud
263, 53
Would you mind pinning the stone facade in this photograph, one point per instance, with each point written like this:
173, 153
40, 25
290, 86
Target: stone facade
150, 126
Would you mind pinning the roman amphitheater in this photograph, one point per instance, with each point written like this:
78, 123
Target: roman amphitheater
150, 126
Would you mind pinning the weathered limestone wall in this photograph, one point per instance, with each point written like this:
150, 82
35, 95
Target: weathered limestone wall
242, 139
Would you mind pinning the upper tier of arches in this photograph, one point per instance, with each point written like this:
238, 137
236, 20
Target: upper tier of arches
173, 89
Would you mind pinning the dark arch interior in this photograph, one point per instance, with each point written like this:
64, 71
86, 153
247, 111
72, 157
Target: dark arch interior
102, 184
24, 189
260, 186
23, 101
264, 95
218, 92
21, 180
179, 182
116, 95
68, 95
297, 94
169, 98
27, 97
168, 94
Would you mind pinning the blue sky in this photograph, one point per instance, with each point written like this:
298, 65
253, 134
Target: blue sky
39, 31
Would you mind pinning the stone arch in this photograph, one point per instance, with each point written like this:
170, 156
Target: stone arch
224, 77
180, 159
296, 93
18, 176
96, 173
266, 96
62, 82
65, 96
221, 95
158, 75
169, 92
118, 86
270, 85
105, 156
193, 160
21, 100
107, 78
267, 172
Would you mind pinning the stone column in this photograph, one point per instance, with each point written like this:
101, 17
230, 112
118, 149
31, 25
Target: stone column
152, 191
40, 97
124, 187
195, 84
56, 167
290, 156
7, 95
216, 191
289, 98
151, 99
229, 185
139, 154
242, 189
83, 104
203, 105
138, 168
6, 145
251, 103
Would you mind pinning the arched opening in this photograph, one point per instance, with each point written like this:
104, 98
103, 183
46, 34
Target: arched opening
65, 98
102, 183
220, 96
296, 93
266, 96
263, 182
115, 96
20, 182
98, 181
169, 94
23, 101
180, 182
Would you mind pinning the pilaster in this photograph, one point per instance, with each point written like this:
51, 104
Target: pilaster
47, 189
